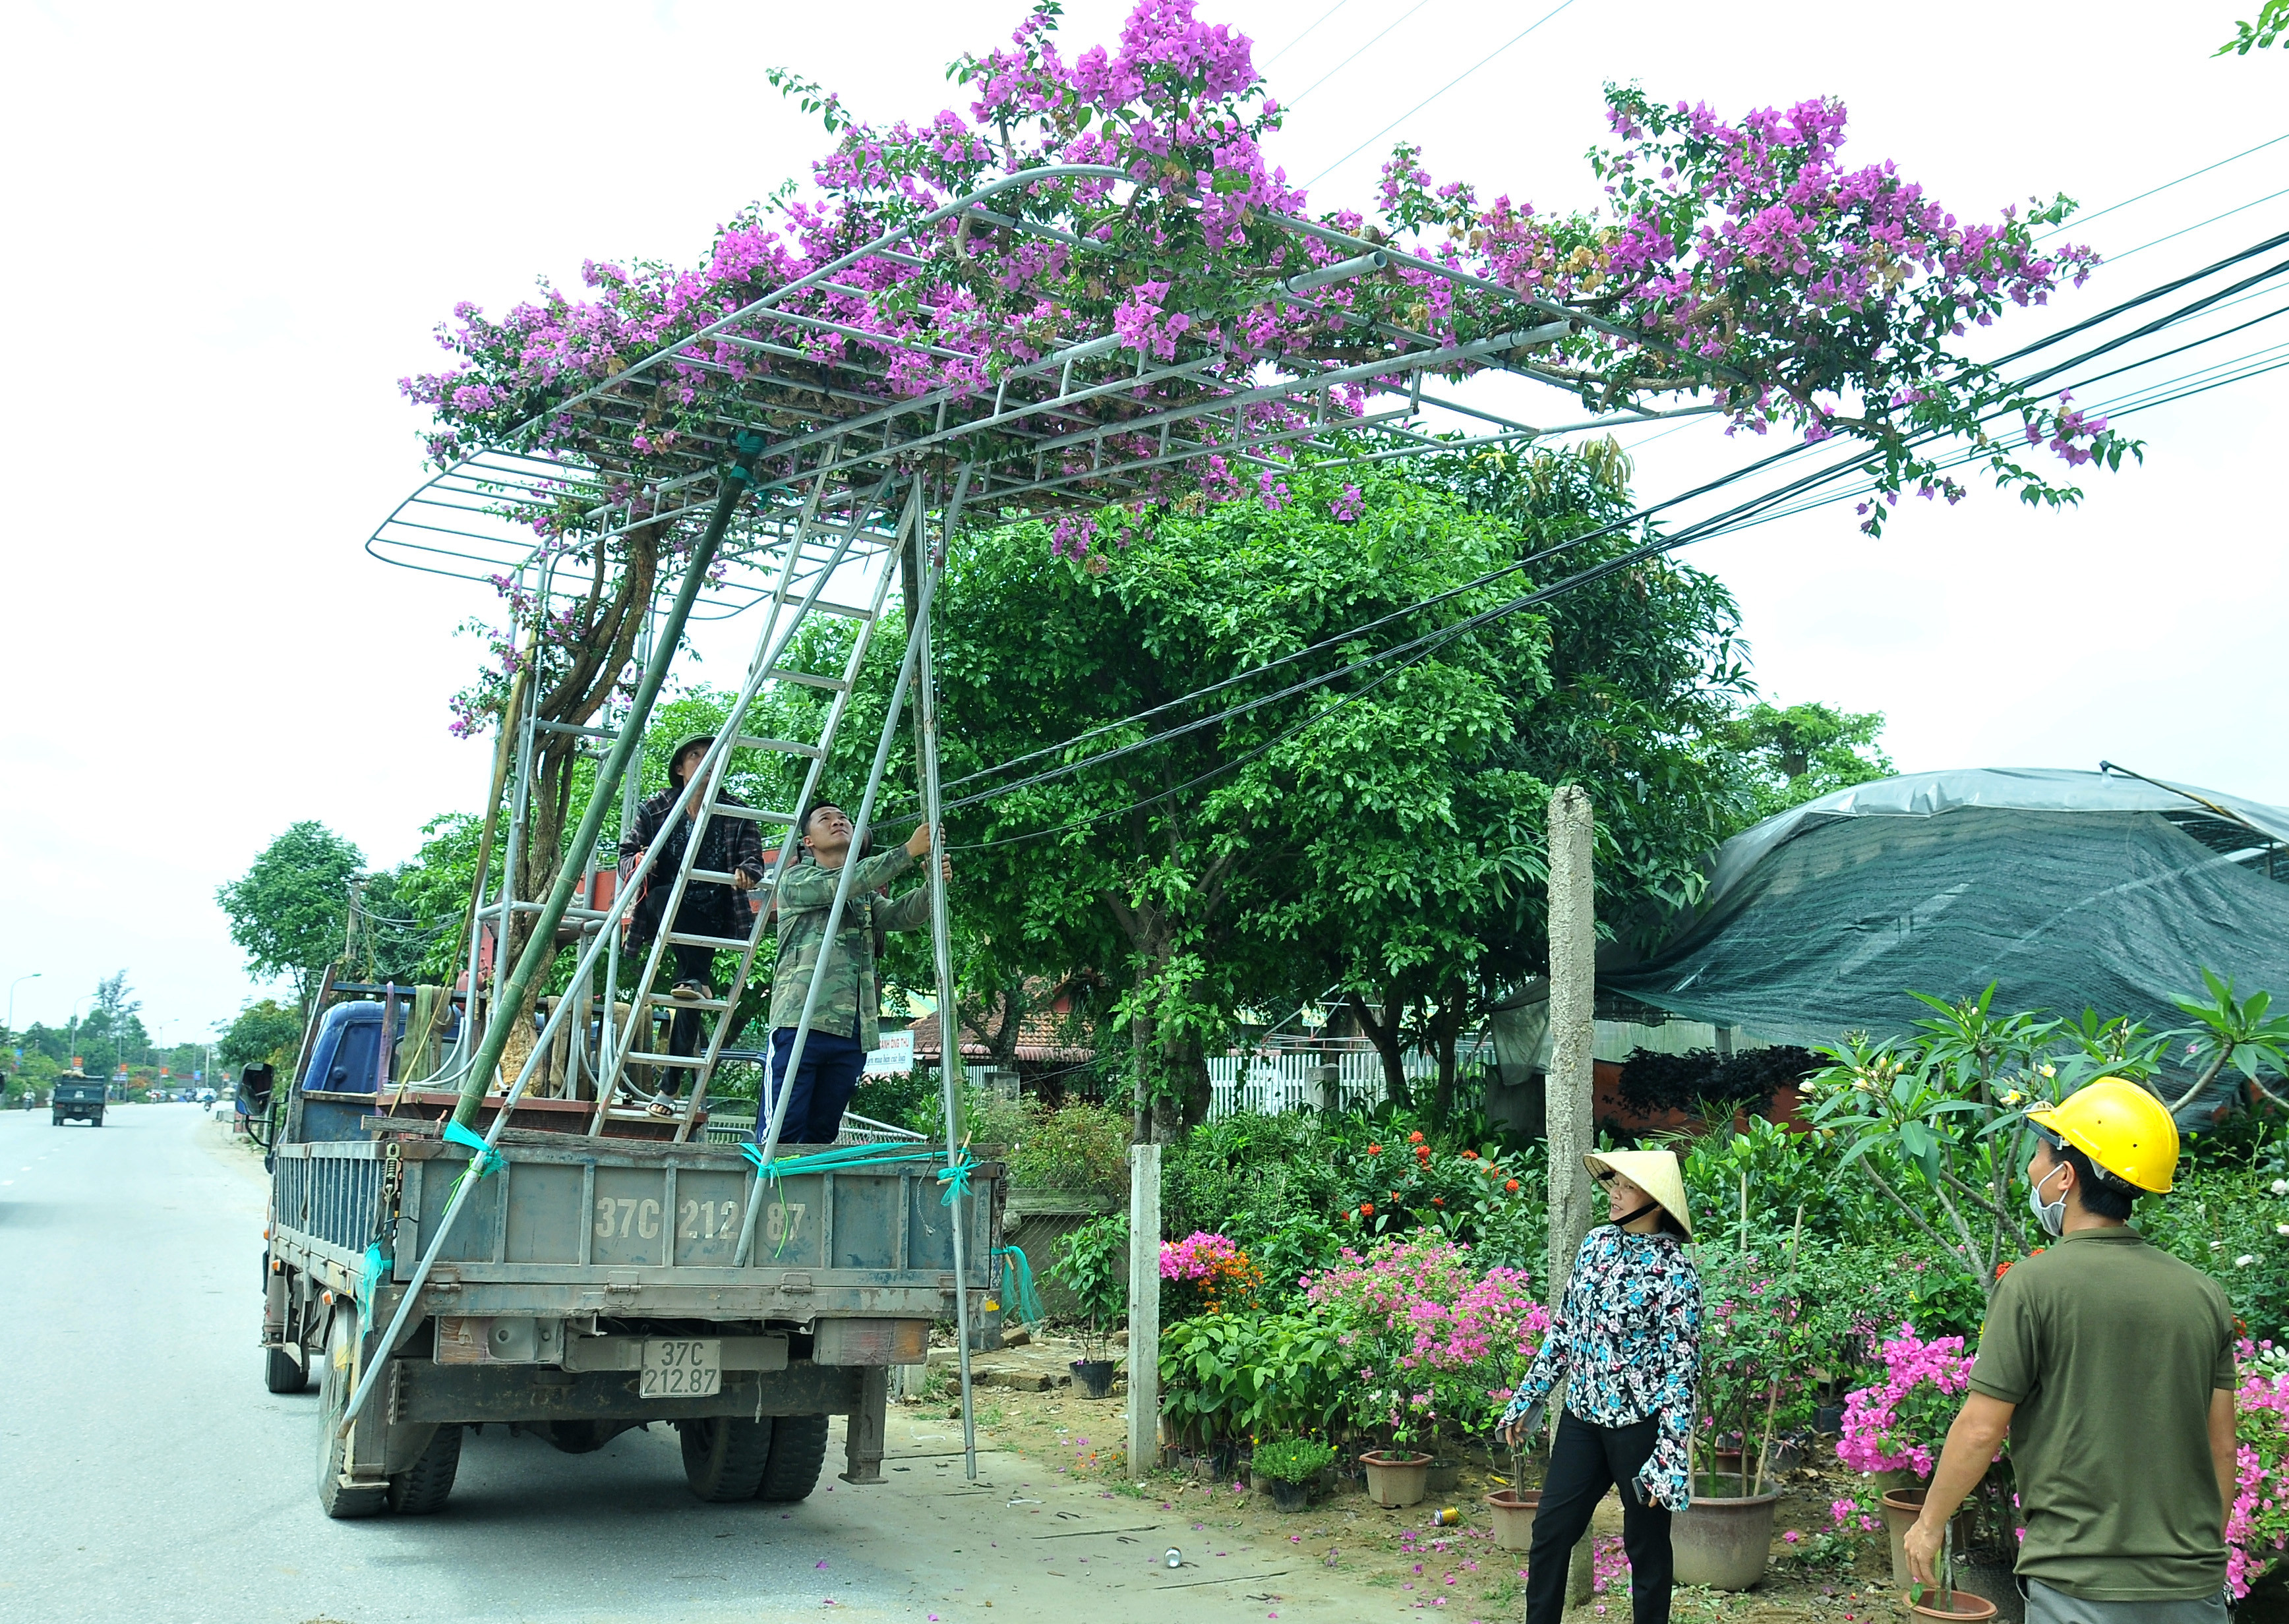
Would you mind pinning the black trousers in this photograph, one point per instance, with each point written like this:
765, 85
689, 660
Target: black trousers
1584, 1462
692, 963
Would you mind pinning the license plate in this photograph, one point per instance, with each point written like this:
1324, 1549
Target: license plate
681, 1368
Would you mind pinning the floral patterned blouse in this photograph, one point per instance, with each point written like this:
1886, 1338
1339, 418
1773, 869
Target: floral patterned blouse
1627, 1339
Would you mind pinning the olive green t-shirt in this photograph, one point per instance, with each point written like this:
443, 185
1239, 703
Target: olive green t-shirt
2112, 1348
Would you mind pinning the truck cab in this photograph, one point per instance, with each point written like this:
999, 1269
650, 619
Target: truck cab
78, 1098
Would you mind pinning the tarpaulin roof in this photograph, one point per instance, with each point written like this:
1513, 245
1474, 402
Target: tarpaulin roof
2069, 890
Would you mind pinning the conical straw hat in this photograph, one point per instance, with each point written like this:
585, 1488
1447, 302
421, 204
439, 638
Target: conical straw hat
1655, 1172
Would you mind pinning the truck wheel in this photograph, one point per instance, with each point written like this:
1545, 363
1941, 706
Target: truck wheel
334, 1384
422, 1488
798, 1451
283, 1373
724, 1456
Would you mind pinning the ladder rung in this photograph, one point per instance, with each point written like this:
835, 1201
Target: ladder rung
732, 944
835, 684
786, 746
754, 814
849, 611
668, 1000
637, 1058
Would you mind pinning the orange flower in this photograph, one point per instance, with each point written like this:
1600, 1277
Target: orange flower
1469, 1156
1374, 1149
1437, 1200
1512, 1185
1415, 1137
1368, 1207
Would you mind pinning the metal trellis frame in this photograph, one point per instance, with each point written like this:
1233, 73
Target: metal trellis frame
799, 469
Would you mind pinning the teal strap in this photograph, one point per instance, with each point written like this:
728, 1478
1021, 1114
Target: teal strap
376, 1269
838, 1158
483, 1157
1021, 1286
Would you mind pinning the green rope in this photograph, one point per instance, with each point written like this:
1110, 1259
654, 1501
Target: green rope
1021, 1286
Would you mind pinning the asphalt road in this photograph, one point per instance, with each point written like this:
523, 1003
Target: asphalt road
145, 1477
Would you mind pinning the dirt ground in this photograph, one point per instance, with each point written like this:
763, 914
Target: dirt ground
1387, 1561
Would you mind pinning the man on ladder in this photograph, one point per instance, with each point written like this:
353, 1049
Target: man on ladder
845, 1024
709, 909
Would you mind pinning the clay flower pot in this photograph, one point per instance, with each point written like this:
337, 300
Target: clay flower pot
1396, 1479
1900, 1507
1514, 1515
1723, 1540
1939, 1603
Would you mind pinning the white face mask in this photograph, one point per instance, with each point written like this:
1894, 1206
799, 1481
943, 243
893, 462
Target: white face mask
2051, 1215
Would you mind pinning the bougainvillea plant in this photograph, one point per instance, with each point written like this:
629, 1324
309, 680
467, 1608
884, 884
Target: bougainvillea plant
1901, 1423
1094, 288
1432, 1336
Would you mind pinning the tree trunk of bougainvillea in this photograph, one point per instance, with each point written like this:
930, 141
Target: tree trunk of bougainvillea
589, 659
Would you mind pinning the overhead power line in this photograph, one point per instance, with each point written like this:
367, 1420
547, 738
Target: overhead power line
1355, 55
1434, 95
1795, 496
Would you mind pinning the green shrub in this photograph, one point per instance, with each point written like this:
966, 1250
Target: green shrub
1079, 1146
1294, 1460
1093, 1264
1236, 1375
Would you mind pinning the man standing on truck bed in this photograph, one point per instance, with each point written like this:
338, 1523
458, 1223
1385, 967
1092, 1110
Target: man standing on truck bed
844, 1022
709, 908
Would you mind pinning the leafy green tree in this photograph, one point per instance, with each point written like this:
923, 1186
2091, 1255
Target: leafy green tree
2272, 20
1804, 751
113, 1034
1637, 672
290, 911
1175, 861
264, 1031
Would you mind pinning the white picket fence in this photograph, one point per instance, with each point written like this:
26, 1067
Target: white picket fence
1283, 1079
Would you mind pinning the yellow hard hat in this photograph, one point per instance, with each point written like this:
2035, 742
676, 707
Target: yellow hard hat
2122, 1127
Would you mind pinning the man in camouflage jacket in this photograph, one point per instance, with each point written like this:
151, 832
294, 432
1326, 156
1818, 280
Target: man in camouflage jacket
845, 1022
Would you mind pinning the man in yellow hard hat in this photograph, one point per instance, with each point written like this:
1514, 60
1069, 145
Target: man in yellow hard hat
2109, 1363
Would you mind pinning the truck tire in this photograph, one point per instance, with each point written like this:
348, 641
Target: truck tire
334, 1387
724, 1456
283, 1373
422, 1488
798, 1452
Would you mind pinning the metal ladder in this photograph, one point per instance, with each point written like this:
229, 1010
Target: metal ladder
818, 552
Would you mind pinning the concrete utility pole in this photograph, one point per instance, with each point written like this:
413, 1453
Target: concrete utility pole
1573, 1039
1144, 1308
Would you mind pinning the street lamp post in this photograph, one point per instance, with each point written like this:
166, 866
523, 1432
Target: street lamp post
13, 986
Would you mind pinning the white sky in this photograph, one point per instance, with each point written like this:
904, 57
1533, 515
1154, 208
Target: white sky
233, 228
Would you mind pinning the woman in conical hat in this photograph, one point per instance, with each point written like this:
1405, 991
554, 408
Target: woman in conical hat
1626, 1337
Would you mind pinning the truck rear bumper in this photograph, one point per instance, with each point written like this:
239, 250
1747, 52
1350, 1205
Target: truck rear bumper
423, 1392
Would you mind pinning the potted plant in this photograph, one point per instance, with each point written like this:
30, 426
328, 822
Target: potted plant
1899, 1424
1943, 1600
1515, 1508
1286, 1469
1751, 1347
1396, 1477
1092, 1262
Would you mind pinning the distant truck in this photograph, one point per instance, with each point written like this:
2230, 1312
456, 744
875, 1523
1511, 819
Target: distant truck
591, 1284
78, 1098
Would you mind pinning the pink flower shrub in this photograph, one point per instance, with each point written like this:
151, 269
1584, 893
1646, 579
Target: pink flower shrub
1199, 1256
1433, 1336
1901, 1424
2257, 1525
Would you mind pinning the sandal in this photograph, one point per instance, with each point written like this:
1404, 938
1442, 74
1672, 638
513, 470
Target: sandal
690, 992
661, 1106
